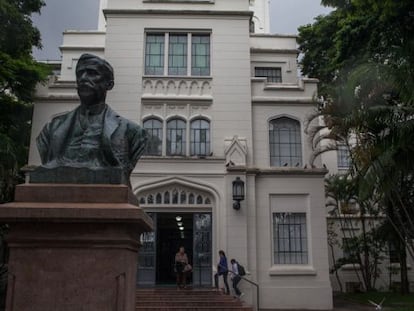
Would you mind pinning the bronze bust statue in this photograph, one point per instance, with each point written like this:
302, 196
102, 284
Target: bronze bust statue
92, 136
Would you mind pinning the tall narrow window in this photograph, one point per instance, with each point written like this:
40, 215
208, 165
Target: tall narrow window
154, 130
344, 160
177, 54
273, 74
285, 142
200, 137
200, 55
154, 54
176, 131
290, 238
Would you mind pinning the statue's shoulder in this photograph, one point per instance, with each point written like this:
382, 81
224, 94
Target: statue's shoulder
124, 122
62, 117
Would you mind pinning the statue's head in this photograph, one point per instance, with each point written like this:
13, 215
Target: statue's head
94, 77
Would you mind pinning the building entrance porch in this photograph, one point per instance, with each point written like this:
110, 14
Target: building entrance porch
193, 231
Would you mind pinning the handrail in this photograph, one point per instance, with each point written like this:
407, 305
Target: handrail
248, 281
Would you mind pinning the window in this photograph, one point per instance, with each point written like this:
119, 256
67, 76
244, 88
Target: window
200, 137
177, 45
349, 245
344, 160
154, 130
154, 54
393, 252
285, 142
176, 142
200, 55
290, 238
273, 74
177, 54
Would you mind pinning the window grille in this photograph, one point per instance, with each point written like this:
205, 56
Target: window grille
177, 54
285, 142
154, 54
344, 160
154, 130
200, 55
273, 74
200, 137
176, 137
290, 238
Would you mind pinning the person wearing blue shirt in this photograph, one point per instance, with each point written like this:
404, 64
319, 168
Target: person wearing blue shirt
222, 269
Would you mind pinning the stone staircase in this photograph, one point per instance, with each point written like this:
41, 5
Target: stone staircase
165, 299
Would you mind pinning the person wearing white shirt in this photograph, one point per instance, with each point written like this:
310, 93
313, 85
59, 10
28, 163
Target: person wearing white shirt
236, 278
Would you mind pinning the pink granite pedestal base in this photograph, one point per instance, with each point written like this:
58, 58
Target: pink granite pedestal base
73, 247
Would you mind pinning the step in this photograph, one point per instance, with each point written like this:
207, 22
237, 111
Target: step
171, 299
201, 308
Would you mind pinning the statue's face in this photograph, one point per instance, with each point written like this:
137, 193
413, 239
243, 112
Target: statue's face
92, 82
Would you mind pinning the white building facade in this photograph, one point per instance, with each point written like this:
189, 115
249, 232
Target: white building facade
221, 103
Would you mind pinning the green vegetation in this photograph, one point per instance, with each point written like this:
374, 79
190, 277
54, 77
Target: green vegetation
393, 301
19, 74
362, 54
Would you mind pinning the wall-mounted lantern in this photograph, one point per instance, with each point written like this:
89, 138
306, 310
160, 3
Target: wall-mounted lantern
238, 192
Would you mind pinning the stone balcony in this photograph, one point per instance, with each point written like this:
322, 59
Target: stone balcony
302, 92
182, 88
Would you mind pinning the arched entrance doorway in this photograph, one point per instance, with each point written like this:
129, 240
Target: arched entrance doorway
182, 217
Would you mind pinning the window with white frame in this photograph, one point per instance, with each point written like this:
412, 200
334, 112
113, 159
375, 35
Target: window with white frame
176, 137
285, 142
273, 74
177, 54
154, 54
200, 137
200, 55
344, 159
154, 129
188, 54
290, 245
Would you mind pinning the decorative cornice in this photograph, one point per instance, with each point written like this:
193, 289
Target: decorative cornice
81, 48
106, 12
279, 171
180, 1
273, 51
154, 98
273, 35
281, 100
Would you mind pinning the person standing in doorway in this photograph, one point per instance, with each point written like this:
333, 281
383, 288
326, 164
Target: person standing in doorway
181, 260
222, 269
236, 278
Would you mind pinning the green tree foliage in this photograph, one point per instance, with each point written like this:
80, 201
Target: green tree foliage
19, 74
362, 54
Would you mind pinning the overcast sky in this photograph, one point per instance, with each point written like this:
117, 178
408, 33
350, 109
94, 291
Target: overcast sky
58, 15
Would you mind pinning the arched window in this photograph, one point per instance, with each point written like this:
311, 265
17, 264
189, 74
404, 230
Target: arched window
176, 137
200, 137
285, 142
158, 198
154, 130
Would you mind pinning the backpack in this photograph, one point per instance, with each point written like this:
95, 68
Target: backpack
242, 272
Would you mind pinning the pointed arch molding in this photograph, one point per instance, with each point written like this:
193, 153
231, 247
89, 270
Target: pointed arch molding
176, 191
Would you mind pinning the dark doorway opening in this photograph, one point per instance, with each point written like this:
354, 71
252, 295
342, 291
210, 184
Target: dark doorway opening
173, 230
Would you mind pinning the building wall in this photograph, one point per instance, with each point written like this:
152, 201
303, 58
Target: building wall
292, 286
239, 108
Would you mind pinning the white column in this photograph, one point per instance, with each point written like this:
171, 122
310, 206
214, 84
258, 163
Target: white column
101, 20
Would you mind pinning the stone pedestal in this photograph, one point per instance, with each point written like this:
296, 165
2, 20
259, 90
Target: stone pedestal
73, 247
